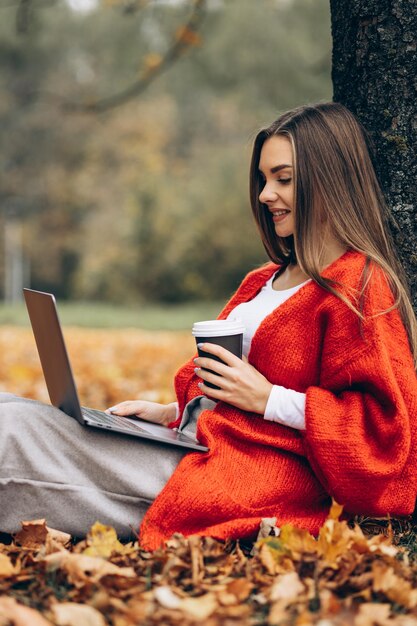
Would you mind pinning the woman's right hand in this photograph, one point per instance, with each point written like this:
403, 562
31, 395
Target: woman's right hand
150, 411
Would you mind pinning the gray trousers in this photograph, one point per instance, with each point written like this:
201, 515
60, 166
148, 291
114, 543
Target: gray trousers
52, 467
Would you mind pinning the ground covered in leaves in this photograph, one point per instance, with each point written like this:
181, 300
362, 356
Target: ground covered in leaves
344, 576
109, 365
348, 575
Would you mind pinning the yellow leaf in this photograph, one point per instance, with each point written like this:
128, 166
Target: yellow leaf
335, 510
102, 541
6, 566
334, 539
297, 540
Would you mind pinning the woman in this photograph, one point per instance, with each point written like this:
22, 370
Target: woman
326, 403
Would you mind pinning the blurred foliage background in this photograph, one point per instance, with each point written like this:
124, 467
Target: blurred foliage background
146, 201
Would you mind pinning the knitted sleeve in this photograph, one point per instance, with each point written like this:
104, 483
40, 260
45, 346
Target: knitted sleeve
361, 422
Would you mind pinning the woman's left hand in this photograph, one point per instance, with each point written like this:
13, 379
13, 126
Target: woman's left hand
240, 383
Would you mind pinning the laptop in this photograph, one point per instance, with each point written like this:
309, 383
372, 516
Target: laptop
60, 382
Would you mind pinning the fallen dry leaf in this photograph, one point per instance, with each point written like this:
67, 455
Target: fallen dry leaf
6, 566
36, 535
56, 540
200, 608
371, 614
20, 615
102, 541
344, 576
33, 534
286, 588
81, 568
73, 614
167, 598
394, 587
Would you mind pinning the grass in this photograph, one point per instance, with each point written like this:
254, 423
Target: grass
101, 315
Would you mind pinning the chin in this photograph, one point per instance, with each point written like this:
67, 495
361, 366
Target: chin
283, 232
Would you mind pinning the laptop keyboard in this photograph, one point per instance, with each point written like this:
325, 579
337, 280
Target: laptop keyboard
103, 418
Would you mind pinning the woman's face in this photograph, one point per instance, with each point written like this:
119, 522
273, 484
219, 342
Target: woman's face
276, 170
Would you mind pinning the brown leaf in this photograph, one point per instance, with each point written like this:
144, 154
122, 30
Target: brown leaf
20, 615
73, 614
81, 568
234, 593
240, 588
33, 534
58, 537
197, 563
395, 588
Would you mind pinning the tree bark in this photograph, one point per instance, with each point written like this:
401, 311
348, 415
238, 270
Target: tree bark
375, 76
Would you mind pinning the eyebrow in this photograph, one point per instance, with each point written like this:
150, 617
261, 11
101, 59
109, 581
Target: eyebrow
277, 168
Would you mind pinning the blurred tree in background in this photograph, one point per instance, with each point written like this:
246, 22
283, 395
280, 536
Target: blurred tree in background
148, 200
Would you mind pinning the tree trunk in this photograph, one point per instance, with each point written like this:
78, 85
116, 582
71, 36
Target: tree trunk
375, 76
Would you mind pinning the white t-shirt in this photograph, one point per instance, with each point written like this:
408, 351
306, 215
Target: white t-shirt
285, 406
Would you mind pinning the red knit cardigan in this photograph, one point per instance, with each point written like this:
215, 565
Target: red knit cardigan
360, 442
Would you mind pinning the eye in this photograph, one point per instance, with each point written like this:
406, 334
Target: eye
284, 181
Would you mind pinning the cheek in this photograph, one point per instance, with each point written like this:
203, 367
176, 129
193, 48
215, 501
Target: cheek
290, 198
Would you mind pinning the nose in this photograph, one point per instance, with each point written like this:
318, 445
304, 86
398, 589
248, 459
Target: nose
267, 194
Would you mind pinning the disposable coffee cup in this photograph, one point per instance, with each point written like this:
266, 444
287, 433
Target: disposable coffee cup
225, 333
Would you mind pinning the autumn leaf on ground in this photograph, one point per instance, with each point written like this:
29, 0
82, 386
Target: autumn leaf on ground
11, 612
35, 534
81, 568
6, 566
73, 614
102, 541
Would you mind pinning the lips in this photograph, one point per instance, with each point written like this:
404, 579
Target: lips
278, 215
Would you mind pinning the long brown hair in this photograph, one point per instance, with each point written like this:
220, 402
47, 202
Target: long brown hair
335, 186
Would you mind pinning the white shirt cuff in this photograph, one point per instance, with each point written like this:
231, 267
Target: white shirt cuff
177, 410
287, 407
